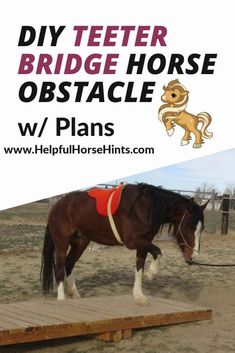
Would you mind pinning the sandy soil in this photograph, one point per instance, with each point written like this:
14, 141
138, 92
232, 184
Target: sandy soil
110, 271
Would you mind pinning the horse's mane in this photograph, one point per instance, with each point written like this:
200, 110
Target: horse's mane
161, 192
162, 201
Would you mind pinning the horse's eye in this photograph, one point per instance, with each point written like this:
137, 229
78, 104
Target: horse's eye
173, 95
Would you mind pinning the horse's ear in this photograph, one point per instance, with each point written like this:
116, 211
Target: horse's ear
184, 93
204, 205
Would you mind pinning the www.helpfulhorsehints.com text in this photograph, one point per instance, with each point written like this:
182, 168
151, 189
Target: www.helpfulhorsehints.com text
95, 51
77, 149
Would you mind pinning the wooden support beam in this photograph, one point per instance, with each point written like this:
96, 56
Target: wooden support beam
225, 213
113, 336
126, 334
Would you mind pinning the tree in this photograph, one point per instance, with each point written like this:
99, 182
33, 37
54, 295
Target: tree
201, 192
230, 189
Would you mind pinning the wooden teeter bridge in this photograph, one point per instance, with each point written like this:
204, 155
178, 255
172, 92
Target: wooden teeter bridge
106, 318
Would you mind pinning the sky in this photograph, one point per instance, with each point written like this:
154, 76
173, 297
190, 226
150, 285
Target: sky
217, 170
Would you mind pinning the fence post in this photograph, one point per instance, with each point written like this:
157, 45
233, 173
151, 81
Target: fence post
213, 218
225, 213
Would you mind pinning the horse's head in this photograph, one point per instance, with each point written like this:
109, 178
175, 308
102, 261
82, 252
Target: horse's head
188, 227
175, 92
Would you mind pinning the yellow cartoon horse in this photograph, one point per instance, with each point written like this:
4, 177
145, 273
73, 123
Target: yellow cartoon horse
173, 112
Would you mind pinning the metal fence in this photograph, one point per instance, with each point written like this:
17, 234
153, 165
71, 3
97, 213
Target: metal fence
212, 210
220, 212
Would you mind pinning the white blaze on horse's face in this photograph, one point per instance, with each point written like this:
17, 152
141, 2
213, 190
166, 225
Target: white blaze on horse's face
197, 235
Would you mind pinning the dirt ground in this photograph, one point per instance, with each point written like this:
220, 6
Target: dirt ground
110, 271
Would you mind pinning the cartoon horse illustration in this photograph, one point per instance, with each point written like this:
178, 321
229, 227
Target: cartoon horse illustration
173, 112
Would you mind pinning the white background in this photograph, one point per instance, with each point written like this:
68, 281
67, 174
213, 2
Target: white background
193, 27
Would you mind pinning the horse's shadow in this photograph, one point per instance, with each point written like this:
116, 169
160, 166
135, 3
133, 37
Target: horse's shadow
121, 281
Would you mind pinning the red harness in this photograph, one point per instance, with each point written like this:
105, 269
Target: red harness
102, 197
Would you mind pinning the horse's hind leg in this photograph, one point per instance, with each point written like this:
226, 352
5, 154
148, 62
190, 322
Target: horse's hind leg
78, 245
139, 297
198, 137
59, 272
154, 265
186, 138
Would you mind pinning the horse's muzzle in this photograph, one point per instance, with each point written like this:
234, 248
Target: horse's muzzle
163, 98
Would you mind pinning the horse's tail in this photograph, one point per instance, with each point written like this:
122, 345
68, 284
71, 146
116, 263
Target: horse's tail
48, 263
205, 118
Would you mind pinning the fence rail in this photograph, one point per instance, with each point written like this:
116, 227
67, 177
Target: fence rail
220, 212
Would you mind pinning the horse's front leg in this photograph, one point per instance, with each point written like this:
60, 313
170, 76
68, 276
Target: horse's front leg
154, 265
169, 125
139, 297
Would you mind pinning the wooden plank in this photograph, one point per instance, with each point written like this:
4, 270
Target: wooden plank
179, 305
83, 307
48, 311
105, 317
63, 312
116, 305
37, 318
5, 325
115, 308
16, 321
121, 308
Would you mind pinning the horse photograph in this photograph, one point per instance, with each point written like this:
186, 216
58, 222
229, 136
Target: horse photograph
131, 241
74, 222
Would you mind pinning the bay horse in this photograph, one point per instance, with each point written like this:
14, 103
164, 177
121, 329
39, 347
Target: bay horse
73, 222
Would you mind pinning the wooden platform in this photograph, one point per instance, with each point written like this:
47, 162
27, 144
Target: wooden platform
107, 318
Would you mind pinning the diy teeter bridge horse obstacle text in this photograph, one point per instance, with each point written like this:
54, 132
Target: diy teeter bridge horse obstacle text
75, 220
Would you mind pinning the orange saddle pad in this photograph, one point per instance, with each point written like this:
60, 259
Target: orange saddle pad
102, 197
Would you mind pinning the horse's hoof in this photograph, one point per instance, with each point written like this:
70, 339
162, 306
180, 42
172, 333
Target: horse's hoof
197, 145
74, 294
170, 132
141, 300
184, 142
148, 276
61, 297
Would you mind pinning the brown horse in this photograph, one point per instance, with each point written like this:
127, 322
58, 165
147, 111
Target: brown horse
74, 221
